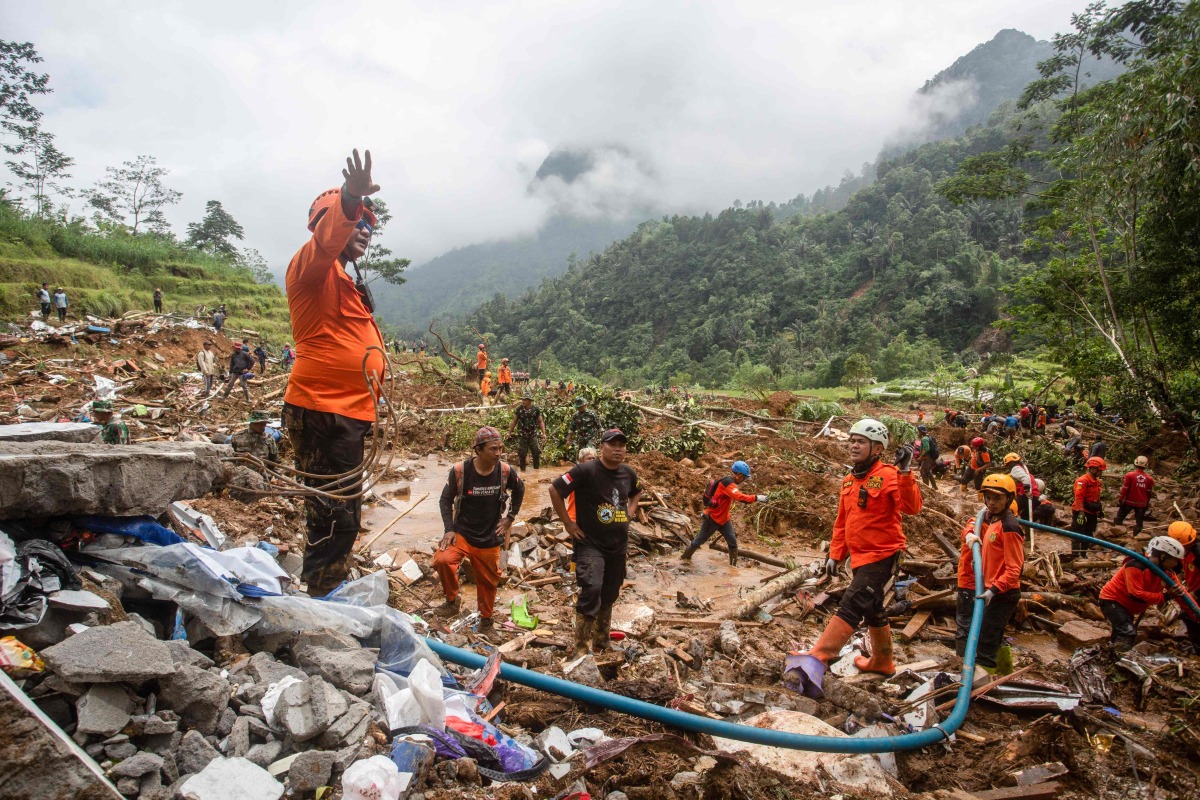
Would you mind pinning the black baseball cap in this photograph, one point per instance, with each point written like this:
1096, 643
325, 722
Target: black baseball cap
612, 434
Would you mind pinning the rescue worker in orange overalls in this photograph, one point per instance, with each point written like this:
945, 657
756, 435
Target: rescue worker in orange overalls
1002, 547
1189, 576
1134, 588
1087, 508
481, 361
868, 532
504, 379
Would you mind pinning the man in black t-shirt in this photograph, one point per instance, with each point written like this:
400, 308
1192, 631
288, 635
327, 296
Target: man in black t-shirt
606, 494
479, 503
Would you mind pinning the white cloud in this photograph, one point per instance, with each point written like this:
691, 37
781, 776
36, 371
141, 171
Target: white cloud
691, 105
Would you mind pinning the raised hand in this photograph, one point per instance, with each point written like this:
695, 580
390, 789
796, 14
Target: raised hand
358, 176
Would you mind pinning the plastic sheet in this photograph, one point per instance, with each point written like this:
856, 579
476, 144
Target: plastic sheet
375, 778
143, 528
426, 685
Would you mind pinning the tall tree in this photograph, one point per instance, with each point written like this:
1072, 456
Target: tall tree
42, 167
856, 373
134, 194
378, 257
18, 83
214, 233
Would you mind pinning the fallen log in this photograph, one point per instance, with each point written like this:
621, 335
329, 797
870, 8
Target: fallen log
780, 585
756, 556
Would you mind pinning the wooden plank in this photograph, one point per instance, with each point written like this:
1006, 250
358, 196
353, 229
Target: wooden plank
705, 623
1041, 791
920, 666
914, 625
683, 655
931, 599
519, 643
544, 581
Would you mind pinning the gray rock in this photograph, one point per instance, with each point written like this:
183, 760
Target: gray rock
584, 671
248, 710
170, 769
325, 637
310, 771
151, 725
138, 765
265, 754
301, 709
117, 752
129, 786
199, 697
238, 743
77, 432
150, 787
253, 693
345, 729
183, 653
259, 729
118, 653
616, 796
194, 753
337, 702
349, 669
682, 779
225, 723
348, 755
148, 626
104, 709
46, 479
220, 778
264, 669
96, 751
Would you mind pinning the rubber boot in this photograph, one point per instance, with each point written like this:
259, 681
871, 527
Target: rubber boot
487, 629
601, 640
584, 626
1004, 660
449, 608
687, 553
733, 553
837, 632
881, 653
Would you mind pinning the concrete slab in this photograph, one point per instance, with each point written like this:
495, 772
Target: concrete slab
50, 432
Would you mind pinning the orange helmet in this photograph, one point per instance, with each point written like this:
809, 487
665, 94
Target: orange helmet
331, 198
1096, 461
1182, 532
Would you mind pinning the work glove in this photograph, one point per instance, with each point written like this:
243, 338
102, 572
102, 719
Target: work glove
987, 596
762, 498
971, 539
832, 567
904, 456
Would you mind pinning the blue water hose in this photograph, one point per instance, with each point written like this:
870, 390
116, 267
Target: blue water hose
747, 733
1167, 579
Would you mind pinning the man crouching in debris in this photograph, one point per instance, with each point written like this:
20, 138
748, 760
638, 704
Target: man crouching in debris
606, 494
1002, 544
328, 407
255, 441
1134, 588
873, 497
479, 502
110, 432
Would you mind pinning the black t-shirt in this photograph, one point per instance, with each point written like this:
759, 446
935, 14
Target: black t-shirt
481, 507
601, 501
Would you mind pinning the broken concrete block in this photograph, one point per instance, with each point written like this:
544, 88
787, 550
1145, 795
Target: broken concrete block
228, 777
352, 670
347, 729
302, 711
78, 432
104, 709
184, 653
265, 754
583, 670
237, 744
265, 669
635, 621
137, 766
151, 725
728, 640
555, 743
119, 653
681, 780
198, 696
325, 637
1077, 633
310, 771
194, 753
45, 479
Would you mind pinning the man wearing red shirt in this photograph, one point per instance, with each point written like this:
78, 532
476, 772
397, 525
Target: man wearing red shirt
1134, 588
716, 515
1087, 507
868, 533
328, 407
1136, 491
1002, 547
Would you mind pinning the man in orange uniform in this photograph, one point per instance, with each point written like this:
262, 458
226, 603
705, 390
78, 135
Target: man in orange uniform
504, 379
1002, 547
485, 389
1136, 492
716, 514
868, 532
1087, 507
1189, 576
1134, 588
328, 408
481, 360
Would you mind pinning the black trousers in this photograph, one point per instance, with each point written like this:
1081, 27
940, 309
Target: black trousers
599, 575
1124, 631
1139, 516
327, 444
1085, 523
708, 528
527, 445
864, 599
996, 616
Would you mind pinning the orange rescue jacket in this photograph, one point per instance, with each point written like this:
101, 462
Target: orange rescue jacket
505, 375
723, 497
1134, 586
1087, 490
1002, 548
868, 520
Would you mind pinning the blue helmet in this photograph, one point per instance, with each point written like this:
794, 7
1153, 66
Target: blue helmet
741, 468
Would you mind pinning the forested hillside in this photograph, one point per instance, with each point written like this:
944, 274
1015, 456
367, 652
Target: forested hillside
900, 275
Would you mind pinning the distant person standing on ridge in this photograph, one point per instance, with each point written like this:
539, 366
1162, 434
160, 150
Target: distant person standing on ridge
504, 380
158, 295
260, 352
929, 456
206, 362
43, 295
481, 360
219, 319
240, 369
60, 303
328, 408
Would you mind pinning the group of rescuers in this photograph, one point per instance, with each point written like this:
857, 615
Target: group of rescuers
329, 410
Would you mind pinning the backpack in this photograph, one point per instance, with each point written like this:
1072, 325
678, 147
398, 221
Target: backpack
934, 451
710, 493
459, 472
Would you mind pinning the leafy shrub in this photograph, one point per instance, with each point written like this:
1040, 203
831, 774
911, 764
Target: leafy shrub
817, 411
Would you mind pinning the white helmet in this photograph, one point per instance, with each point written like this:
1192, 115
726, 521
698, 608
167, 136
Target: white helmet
871, 429
1165, 545
1141, 461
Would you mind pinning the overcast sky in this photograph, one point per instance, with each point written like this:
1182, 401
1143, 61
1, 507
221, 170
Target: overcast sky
256, 104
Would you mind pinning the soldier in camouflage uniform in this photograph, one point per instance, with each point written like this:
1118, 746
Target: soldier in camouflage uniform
585, 426
530, 427
110, 432
255, 441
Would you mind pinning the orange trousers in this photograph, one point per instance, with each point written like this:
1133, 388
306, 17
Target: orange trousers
485, 562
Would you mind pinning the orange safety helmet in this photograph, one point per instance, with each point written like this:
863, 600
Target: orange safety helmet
330, 199
1096, 461
998, 481
1182, 532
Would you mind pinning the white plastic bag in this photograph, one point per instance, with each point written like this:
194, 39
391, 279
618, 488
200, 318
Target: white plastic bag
375, 778
271, 698
398, 703
426, 685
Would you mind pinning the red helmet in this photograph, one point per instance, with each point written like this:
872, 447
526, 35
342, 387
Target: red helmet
1096, 461
977, 442
331, 198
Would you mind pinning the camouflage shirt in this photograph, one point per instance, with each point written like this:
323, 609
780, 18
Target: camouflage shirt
527, 421
261, 445
585, 425
114, 433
